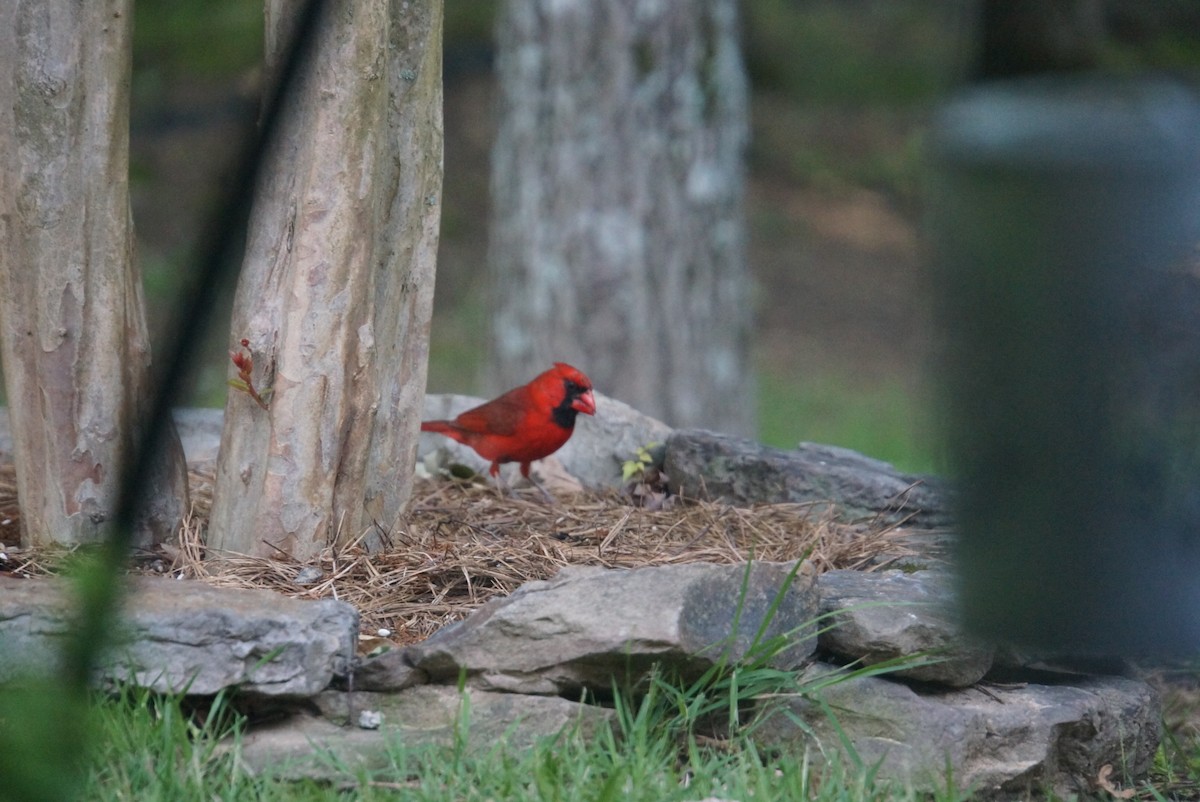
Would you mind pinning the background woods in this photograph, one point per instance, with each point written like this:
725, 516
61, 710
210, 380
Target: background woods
838, 97
839, 101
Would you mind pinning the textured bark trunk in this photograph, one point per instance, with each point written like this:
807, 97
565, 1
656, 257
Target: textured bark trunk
617, 185
72, 324
337, 286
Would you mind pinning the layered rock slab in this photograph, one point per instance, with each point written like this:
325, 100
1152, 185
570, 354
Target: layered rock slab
703, 464
177, 635
892, 615
998, 740
331, 745
590, 627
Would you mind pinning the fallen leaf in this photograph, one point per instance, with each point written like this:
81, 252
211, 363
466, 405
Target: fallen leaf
1105, 784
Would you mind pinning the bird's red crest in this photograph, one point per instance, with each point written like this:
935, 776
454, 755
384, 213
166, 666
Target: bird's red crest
572, 374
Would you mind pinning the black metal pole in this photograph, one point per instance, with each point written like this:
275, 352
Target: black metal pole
1066, 226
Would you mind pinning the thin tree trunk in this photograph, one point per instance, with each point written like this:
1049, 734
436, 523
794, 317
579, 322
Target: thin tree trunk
73, 334
336, 289
617, 182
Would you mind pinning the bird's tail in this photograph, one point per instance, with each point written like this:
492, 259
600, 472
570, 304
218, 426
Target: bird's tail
443, 427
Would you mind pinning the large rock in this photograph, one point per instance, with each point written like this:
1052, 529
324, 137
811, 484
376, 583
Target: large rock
200, 433
1015, 739
880, 617
332, 747
594, 454
587, 627
389, 671
177, 635
601, 444
701, 463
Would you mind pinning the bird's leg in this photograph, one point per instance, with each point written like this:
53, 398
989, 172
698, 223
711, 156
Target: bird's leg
501, 487
546, 495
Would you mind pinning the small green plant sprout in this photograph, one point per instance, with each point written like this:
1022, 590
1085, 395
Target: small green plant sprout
243, 360
643, 479
642, 460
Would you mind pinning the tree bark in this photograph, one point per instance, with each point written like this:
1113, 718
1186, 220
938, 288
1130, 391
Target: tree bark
73, 335
336, 289
617, 238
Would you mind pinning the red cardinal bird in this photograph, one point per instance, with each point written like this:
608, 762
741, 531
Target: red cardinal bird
526, 423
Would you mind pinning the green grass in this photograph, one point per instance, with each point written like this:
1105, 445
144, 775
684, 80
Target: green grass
150, 747
151, 750
887, 421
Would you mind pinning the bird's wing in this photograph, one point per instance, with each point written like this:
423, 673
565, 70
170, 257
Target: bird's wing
499, 416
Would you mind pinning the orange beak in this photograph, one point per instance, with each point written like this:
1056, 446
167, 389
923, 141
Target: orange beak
585, 403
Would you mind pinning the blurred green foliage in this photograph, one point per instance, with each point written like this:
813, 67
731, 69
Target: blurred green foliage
884, 419
203, 38
469, 23
830, 52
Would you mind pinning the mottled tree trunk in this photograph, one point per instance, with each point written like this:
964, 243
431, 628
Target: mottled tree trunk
617, 183
72, 324
337, 286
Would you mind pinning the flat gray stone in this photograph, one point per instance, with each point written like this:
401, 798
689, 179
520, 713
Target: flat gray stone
891, 615
200, 433
430, 715
594, 454
1021, 739
390, 671
703, 464
180, 635
587, 627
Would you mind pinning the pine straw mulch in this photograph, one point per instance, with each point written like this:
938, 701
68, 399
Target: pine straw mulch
461, 544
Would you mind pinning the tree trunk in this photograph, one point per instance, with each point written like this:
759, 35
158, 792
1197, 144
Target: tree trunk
73, 336
617, 237
336, 289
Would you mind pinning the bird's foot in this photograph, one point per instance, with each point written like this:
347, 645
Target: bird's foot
507, 492
502, 488
547, 496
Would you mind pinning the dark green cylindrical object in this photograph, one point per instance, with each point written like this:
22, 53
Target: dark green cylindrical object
1066, 227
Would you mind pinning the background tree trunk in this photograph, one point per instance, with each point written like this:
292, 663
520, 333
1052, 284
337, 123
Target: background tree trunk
617, 182
336, 289
73, 334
